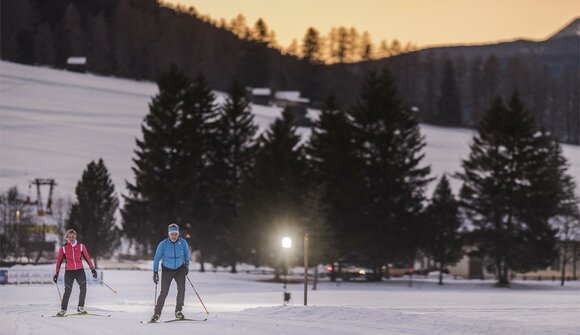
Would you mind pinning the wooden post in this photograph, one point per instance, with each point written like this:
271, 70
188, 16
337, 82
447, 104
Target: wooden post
305, 269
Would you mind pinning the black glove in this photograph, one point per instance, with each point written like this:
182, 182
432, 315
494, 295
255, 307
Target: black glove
186, 270
155, 277
55, 278
94, 273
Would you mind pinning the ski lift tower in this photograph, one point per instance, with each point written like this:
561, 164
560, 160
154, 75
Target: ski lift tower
41, 210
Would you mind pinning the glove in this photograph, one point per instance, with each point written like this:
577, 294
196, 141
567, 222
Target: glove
186, 270
155, 277
94, 273
55, 278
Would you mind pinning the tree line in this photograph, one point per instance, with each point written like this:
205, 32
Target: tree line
339, 45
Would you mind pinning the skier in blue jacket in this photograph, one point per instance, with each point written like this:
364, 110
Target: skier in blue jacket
173, 252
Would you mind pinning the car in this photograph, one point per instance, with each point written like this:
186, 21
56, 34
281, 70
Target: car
349, 272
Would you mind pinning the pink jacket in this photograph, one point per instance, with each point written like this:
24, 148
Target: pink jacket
73, 255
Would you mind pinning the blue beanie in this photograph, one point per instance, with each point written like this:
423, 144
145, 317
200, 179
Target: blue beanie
173, 229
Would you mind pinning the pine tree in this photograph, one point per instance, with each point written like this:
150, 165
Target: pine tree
321, 236
448, 106
442, 227
235, 149
200, 140
333, 168
171, 161
389, 145
277, 187
93, 214
312, 46
260, 32
367, 48
513, 185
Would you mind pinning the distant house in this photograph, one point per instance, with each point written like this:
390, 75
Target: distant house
76, 64
259, 95
295, 105
472, 265
290, 98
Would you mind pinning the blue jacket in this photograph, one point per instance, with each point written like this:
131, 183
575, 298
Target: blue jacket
173, 255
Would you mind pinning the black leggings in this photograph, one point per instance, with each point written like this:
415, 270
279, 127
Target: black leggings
167, 275
69, 277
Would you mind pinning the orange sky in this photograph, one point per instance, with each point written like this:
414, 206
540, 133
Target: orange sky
423, 22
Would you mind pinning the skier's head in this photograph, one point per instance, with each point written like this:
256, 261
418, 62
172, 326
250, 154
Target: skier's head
173, 232
70, 235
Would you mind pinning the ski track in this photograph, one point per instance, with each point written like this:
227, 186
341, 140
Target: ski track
347, 309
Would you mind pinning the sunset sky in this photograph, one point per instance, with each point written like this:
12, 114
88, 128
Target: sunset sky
423, 22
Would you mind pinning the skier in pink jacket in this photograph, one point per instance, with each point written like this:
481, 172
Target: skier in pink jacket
73, 251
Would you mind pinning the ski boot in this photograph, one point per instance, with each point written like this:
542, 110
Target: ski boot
179, 315
81, 310
61, 313
154, 318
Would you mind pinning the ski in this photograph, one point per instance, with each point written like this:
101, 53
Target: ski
90, 314
75, 314
176, 320
147, 322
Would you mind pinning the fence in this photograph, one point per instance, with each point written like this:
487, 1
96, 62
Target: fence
38, 276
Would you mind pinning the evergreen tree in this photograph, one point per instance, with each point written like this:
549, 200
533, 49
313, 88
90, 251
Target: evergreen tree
199, 139
513, 185
236, 133
277, 187
333, 168
93, 215
388, 145
342, 45
448, 106
260, 33
171, 161
442, 227
312, 46
367, 48
321, 248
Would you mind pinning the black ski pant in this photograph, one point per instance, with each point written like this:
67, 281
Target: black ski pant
69, 277
167, 275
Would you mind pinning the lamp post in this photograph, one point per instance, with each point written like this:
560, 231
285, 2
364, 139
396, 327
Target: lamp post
286, 245
17, 234
305, 269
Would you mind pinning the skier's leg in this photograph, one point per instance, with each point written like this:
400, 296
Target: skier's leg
180, 280
82, 281
68, 283
166, 278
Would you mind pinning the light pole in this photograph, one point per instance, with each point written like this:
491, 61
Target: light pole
306, 269
286, 245
17, 235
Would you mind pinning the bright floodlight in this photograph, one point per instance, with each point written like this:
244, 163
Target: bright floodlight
286, 243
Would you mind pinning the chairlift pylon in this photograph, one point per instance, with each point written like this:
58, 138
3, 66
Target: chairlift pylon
40, 208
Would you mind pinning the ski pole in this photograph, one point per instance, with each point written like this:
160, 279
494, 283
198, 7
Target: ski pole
58, 289
102, 282
206, 311
155, 297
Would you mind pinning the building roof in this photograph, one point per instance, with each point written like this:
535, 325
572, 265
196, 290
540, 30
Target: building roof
261, 91
290, 96
76, 61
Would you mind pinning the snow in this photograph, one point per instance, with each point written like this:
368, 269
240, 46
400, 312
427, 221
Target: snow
245, 304
53, 123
